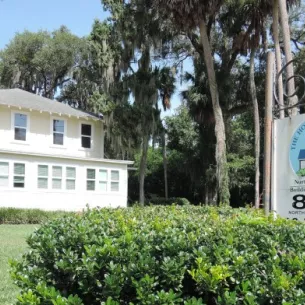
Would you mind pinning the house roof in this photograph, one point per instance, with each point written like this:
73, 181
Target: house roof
302, 154
26, 100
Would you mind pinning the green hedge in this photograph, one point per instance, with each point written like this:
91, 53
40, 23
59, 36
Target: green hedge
169, 201
164, 255
27, 216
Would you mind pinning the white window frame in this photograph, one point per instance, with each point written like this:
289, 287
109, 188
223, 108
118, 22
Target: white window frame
27, 137
57, 178
64, 133
66, 178
13, 175
115, 181
6, 176
47, 177
107, 180
80, 135
95, 169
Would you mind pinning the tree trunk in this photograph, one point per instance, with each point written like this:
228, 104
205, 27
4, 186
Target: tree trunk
278, 55
256, 125
165, 164
143, 164
221, 157
288, 53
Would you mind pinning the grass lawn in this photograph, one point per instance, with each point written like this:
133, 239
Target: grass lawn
12, 245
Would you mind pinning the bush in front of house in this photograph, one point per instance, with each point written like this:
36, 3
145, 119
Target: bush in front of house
164, 255
169, 201
27, 216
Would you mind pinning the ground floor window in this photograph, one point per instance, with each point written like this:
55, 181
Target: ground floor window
115, 178
19, 175
70, 178
56, 177
90, 179
4, 174
43, 176
103, 180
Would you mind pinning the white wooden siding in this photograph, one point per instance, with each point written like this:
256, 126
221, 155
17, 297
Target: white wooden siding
50, 199
40, 135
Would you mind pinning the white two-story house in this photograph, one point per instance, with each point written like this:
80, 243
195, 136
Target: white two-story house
52, 156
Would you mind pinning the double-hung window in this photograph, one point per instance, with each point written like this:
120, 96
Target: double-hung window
115, 180
86, 135
20, 126
4, 174
103, 178
70, 178
43, 177
58, 132
56, 177
19, 175
90, 179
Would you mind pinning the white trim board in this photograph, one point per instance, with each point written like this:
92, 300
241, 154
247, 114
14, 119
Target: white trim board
6, 151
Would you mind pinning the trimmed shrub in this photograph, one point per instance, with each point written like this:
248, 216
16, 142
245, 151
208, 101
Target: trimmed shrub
169, 201
27, 216
164, 255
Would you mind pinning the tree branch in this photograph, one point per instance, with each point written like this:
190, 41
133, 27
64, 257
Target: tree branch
237, 110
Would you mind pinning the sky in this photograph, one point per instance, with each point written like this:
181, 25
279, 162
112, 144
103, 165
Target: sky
33, 15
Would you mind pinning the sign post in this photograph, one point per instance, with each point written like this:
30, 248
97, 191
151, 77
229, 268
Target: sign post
268, 132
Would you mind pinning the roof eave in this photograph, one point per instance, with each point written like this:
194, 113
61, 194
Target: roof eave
89, 117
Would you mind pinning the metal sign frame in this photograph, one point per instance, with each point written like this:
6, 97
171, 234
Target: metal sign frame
278, 116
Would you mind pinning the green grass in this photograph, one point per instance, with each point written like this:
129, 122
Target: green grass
12, 245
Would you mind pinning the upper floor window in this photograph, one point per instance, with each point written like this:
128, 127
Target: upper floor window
20, 126
86, 134
58, 132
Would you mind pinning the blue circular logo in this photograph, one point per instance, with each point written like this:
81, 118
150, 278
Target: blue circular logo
297, 151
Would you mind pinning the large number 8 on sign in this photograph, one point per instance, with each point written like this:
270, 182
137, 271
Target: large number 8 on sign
299, 202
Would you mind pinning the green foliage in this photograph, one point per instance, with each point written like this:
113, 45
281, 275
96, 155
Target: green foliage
164, 255
40, 62
178, 176
301, 172
27, 216
169, 201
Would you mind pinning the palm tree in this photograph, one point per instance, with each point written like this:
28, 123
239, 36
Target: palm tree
278, 55
256, 126
288, 53
190, 15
